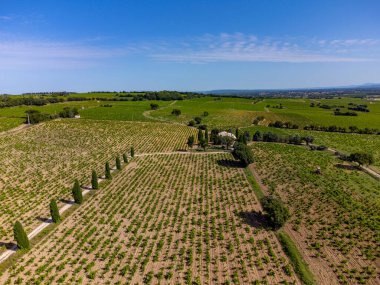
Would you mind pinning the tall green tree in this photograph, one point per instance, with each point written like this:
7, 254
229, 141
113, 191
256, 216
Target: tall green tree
243, 153
206, 135
77, 192
54, 212
132, 151
21, 237
118, 163
94, 180
190, 141
200, 135
203, 144
277, 213
257, 136
125, 158
108, 171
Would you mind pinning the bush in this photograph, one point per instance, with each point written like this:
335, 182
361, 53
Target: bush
277, 213
176, 112
198, 120
153, 106
94, 180
132, 151
205, 114
257, 136
125, 158
243, 153
21, 237
68, 112
362, 158
191, 123
77, 192
35, 117
54, 212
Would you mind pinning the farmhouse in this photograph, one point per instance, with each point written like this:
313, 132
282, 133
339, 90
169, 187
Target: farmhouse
227, 134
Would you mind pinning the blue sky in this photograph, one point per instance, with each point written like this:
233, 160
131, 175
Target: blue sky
187, 45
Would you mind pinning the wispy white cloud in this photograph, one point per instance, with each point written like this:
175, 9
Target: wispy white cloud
5, 18
208, 48
240, 47
43, 54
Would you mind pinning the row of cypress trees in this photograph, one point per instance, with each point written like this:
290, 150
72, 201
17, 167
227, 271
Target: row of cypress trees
20, 235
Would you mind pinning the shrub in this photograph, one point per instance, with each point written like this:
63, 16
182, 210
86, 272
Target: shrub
20, 236
132, 151
176, 112
54, 212
68, 112
198, 120
153, 106
35, 117
191, 123
277, 213
243, 153
362, 158
205, 114
257, 136
125, 158
94, 180
77, 192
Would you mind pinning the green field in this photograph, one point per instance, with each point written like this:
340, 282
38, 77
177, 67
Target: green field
223, 112
234, 112
347, 143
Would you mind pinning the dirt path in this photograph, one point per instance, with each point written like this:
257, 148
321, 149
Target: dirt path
182, 152
16, 129
147, 115
366, 169
322, 273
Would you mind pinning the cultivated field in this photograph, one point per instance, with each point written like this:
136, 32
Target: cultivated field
343, 142
41, 162
335, 216
239, 112
169, 219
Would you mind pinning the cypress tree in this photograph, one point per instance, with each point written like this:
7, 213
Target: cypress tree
125, 158
94, 180
108, 171
20, 236
132, 151
200, 135
54, 212
206, 136
118, 163
77, 192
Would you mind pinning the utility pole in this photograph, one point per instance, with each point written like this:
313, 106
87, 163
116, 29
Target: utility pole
28, 119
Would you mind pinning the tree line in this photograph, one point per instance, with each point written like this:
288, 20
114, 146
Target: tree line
332, 128
20, 236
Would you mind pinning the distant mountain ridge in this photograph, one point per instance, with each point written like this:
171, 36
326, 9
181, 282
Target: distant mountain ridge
364, 86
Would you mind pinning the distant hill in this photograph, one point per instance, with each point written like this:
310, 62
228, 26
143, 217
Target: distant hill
370, 87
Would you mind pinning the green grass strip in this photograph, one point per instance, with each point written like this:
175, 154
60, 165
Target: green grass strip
259, 193
300, 266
